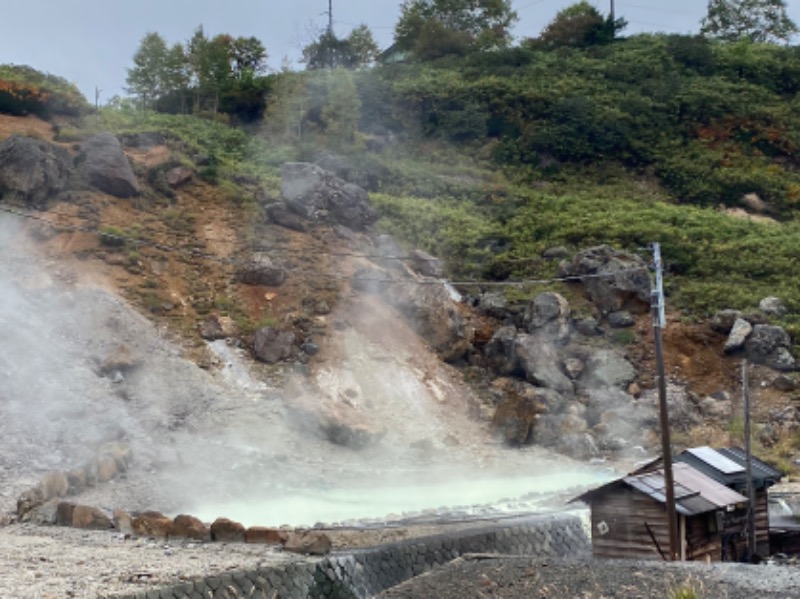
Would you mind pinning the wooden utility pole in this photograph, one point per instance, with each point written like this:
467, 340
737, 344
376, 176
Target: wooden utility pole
611, 13
751, 492
659, 322
97, 91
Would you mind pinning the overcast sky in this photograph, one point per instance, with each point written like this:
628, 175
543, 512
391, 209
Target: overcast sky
91, 42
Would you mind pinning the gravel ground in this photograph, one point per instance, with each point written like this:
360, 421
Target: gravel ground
480, 577
52, 562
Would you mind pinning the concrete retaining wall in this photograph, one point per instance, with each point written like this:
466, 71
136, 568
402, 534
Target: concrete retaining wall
364, 573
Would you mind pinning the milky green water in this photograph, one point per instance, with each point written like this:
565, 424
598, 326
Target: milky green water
306, 507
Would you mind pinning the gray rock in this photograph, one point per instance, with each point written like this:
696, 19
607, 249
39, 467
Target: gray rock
279, 214
107, 167
493, 303
723, 321
613, 279
425, 264
435, 317
541, 363
785, 383
739, 333
588, 327
773, 306
621, 319
500, 352
555, 253
765, 344
179, 176
607, 368
550, 312
32, 171
320, 196
261, 271
273, 345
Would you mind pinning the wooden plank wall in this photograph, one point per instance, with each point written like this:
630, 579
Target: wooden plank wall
625, 512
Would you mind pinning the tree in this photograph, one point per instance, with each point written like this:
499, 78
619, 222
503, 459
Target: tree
482, 24
249, 57
754, 20
177, 76
357, 50
147, 78
579, 25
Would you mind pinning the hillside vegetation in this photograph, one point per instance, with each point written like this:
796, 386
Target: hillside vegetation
489, 158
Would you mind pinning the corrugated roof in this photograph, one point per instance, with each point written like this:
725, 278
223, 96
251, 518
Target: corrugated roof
760, 469
695, 493
716, 460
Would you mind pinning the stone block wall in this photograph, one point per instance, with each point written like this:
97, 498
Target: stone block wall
363, 573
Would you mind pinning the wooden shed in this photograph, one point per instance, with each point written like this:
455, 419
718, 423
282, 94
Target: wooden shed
727, 466
629, 519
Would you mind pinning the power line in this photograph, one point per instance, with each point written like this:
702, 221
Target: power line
196, 253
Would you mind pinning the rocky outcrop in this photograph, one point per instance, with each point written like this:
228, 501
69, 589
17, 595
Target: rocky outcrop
606, 368
107, 167
430, 310
32, 171
540, 363
321, 197
613, 279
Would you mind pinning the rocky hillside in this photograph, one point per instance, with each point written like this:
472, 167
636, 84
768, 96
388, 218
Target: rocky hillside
344, 321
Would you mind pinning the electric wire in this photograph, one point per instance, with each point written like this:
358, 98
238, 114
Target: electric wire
196, 253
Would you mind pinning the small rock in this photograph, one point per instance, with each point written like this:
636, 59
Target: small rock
773, 306
555, 253
723, 321
588, 327
179, 176
621, 319
785, 383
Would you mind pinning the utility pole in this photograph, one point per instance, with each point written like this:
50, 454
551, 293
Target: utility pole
330, 48
659, 322
611, 13
751, 493
97, 91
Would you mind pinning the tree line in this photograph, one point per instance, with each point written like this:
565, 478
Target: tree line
230, 75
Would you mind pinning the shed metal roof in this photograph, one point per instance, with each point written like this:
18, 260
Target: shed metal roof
727, 466
695, 493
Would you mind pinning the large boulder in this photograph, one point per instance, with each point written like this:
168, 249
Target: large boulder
320, 196
613, 279
549, 312
500, 351
107, 167
769, 345
519, 408
606, 368
541, 363
32, 171
430, 311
